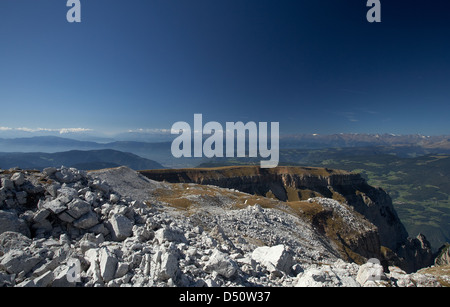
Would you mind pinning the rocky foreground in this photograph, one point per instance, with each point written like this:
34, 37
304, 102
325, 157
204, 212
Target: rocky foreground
114, 227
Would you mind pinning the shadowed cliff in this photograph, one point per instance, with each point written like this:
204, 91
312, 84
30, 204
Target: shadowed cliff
294, 184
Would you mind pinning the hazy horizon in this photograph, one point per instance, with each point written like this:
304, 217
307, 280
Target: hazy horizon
162, 136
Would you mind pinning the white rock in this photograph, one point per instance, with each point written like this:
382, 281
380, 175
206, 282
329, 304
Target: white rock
70, 193
274, 258
114, 198
18, 179
170, 234
90, 197
121, 227
92, 256
65, 175
77, 208
87, 221
122, 269
142, 233
314, 277
52, 189
10, 240
49, 171
399, 277
222, 264
370, 273
61, 280
49, 265
164, 265
17, 261
108, 265
101, 186
427, 280
57, 205
326, 276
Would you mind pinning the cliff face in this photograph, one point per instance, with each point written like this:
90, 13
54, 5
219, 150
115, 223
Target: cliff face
298, 183
293, 184
443, 255
255, 180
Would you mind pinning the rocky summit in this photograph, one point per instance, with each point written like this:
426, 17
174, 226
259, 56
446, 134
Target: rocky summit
117, 228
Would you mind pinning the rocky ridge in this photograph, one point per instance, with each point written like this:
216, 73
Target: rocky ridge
115, 227
301, 183
297, 184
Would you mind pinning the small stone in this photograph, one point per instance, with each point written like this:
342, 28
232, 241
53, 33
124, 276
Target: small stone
57, 205
70, 193
49, 265
170, 234
45, 280
164, 265
90, 197
49, 171
87, 221
13, 241
108, 265
114, 198
41, 215
221, 264
101, 186
77, 208
7, 184
61, 280
52, 189
122, 269
99, 229
65, 217
142, 233
18, 261
21, 197
370, 272
18, 179
122, 227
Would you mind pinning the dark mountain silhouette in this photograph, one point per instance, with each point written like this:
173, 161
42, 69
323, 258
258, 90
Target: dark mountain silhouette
84, 160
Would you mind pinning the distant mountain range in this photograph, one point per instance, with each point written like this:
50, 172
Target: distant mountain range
51, 144
403, 145
83, 160
315, 141
307, 141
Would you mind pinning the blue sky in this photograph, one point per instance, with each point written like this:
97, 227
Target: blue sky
314, 66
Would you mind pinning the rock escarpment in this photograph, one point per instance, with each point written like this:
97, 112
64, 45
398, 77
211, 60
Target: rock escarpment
293, 184
117, 228
443, 255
